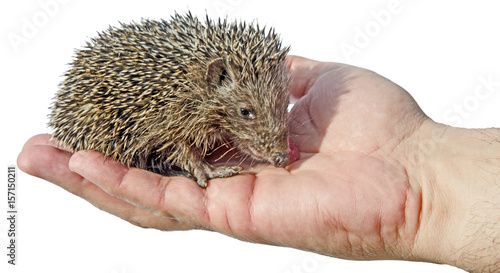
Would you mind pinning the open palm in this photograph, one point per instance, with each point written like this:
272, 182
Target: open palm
349, 195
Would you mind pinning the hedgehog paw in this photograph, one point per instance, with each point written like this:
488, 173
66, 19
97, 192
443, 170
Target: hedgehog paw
225, 171
202, 182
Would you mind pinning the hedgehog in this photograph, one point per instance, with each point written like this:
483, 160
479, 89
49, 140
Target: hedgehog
162, 95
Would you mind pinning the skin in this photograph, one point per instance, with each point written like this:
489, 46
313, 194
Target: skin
376, 179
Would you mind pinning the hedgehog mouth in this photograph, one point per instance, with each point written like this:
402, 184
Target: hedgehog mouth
256, 154
228, 150
277, 160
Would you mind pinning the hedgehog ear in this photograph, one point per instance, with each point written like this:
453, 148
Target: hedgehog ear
216, 73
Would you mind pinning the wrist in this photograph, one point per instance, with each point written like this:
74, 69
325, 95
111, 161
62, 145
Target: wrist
457, 171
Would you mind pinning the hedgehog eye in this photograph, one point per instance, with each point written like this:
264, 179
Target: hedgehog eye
246, 113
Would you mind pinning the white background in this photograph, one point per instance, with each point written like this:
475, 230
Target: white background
440, 52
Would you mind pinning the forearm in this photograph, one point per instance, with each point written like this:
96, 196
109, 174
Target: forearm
459, 176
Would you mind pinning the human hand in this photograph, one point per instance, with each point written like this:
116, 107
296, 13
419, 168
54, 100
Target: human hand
347, 196
358, 191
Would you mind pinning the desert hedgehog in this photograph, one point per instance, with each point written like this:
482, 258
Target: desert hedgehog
161, 95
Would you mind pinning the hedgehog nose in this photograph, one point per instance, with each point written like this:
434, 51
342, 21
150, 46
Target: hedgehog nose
281, 160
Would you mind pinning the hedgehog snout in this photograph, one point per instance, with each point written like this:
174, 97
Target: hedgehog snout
281, 160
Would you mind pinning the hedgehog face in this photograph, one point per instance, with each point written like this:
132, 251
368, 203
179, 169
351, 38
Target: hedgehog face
255, 115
